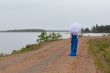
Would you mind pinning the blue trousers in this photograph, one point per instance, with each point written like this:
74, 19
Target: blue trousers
74, 42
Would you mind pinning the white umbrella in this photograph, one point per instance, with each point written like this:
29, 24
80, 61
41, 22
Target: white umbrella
75, 28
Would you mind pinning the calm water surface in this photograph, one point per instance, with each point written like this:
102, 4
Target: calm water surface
12, 40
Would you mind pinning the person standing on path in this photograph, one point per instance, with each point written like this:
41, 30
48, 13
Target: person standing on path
75, 28
74, 43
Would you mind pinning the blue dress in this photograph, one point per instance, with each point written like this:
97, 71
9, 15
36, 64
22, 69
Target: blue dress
74, 43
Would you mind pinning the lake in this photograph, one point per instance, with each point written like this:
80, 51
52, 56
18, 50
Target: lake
10, 41
16, 40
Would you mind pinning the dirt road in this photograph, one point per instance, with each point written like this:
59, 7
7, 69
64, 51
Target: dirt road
52, 58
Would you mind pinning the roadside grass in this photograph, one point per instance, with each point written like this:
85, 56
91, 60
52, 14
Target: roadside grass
100, 50
27, 48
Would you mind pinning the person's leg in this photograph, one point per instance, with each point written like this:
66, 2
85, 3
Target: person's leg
74, 43
74, 47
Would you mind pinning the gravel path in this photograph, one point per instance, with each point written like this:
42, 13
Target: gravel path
51, 58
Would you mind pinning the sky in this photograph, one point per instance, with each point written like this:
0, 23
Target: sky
52, 14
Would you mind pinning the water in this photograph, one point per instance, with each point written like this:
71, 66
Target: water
13, 41
16, 40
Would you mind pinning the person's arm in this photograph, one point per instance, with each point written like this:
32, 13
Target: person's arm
71, 35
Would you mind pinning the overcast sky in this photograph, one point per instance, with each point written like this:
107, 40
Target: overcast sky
52, 14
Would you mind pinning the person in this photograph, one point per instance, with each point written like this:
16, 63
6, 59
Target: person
75, 29
74, 43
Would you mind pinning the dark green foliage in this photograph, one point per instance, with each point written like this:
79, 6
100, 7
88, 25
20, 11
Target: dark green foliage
86, 30
101, 29
97, 29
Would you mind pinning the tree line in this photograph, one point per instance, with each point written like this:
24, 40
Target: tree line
97, 29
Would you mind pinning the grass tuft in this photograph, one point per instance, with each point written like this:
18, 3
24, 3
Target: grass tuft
100, 50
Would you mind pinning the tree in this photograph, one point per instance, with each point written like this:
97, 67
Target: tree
86, 30
82, 30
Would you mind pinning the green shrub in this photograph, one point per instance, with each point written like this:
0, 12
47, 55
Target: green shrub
44, 37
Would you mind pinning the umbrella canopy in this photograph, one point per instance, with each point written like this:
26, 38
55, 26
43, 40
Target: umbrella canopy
75, 28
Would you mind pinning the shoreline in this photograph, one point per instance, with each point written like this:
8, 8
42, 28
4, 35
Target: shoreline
44, 44
42, 39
